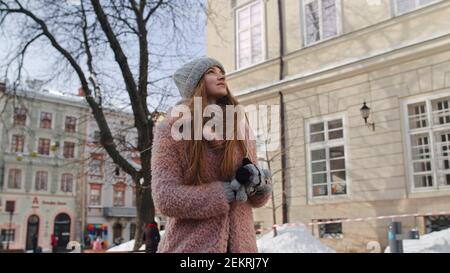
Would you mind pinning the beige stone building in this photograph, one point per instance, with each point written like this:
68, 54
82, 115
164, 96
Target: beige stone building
334, 56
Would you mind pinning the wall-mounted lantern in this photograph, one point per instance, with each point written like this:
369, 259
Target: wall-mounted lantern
365, 112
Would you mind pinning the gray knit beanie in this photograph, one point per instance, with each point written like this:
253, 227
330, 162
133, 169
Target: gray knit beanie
187, 77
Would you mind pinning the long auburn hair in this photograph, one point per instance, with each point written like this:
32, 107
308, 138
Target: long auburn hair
196, 149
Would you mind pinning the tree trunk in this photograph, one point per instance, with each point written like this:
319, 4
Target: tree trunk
274, 215
145, 212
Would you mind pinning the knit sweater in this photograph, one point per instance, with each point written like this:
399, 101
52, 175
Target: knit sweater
200, 219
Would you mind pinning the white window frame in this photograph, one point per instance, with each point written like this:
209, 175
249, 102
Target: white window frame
49, 181
52, 127
6, 179
124, 194
326, 144
27, 120
102, 189
76, 123
15, 235
417, 6
133, 196
339, 26
11, 142
431, 130
103, 166
263, 34
50, 149
91, 137
75, 148
73, 183
340, 236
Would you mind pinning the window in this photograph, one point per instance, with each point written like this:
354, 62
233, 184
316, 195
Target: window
10, 206
441, 111
95, 195
249, 34
66, 182
14, 179
46, 120
327, 158
404, 6
116, 170
20, 116
96, 166
443, 157
417, 115
8, 235
17, 143
41, 181
437, 223
331, 230
119, 194
428, 124
132, 231
133, 197
320, 20
69, 149
44, 146
96, 139
70, 124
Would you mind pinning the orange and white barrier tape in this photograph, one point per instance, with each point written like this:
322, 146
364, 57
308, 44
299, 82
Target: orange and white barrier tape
357, 219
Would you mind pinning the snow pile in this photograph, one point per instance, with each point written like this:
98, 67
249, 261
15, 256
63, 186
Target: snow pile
435, 242
128, 246
295, 239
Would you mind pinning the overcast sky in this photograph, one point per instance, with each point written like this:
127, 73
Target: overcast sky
39, 63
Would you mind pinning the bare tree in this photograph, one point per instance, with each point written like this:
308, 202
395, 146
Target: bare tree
270, 156
112, 49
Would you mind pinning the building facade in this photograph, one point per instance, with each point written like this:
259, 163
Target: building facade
40, 150
111, 204
56, 176
322, 60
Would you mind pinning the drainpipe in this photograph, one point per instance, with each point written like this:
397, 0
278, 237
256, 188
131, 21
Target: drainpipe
281, 32
284, 206
84, 190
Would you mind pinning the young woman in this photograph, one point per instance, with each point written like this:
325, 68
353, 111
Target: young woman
191, 178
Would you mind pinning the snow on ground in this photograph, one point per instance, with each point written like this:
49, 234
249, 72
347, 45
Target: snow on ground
128, 246
294, 239
435, 242
298, 239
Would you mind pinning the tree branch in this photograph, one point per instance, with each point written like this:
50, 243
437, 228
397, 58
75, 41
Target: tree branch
122, 61
106, 137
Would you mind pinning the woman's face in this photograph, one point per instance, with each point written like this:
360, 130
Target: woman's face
215, 83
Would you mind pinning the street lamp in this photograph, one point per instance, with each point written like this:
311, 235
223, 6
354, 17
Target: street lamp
365, 112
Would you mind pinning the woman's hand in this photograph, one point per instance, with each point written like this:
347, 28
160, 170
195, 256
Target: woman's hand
229, 192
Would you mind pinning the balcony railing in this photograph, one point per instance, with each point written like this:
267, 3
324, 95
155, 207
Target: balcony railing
119, 212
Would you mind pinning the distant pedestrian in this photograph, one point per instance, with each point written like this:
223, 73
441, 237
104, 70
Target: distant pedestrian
54, 242
97, 245
34, 242
151, 238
